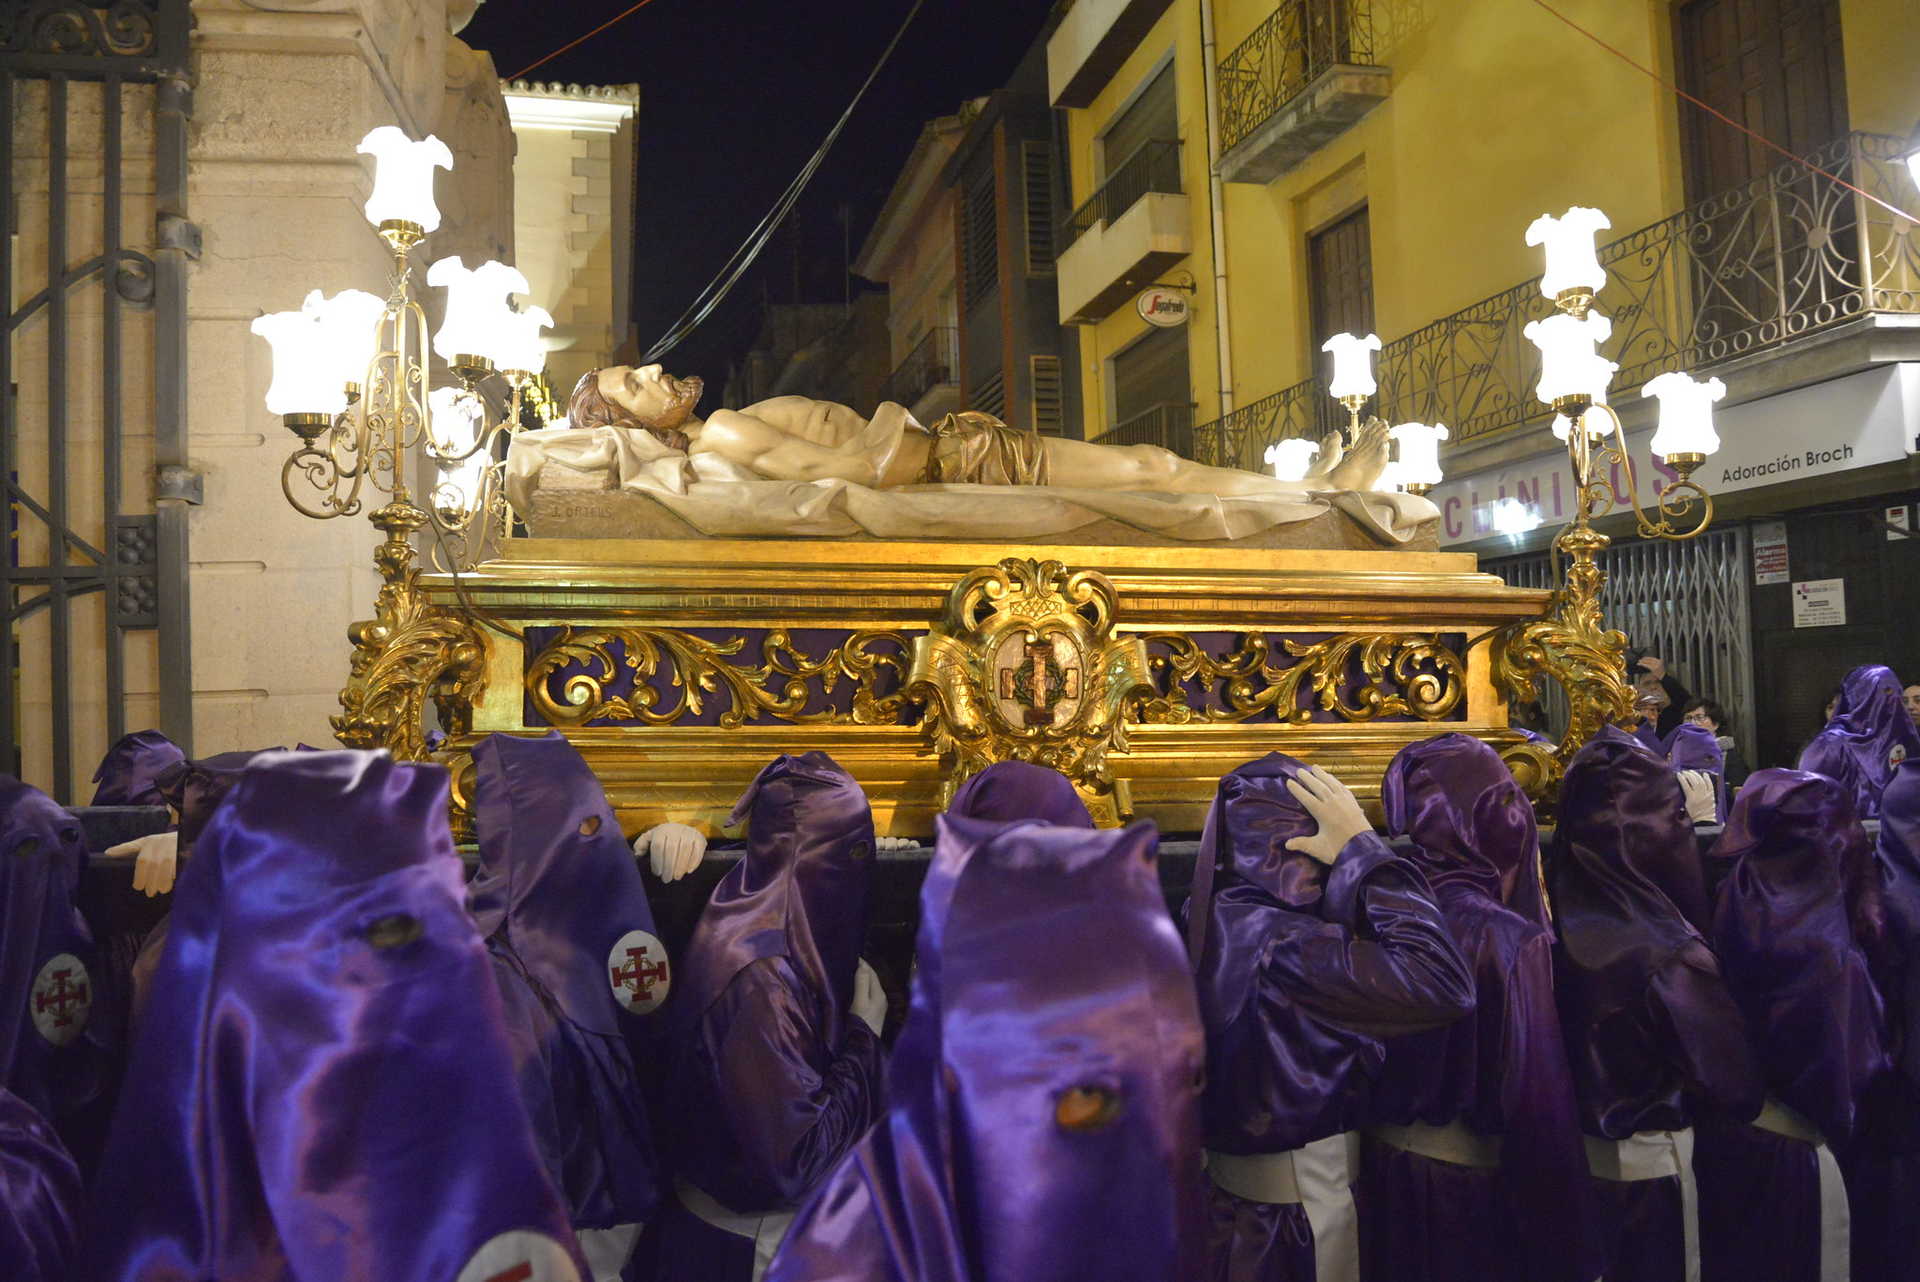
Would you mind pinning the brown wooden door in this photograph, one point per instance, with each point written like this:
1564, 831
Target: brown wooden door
1339, 293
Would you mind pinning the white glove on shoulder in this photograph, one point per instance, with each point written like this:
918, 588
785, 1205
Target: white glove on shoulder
675, 849
1703, 800
1334, 807
156, 859
869, 999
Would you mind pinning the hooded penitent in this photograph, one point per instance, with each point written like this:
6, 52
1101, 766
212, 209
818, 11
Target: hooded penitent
773, 1076
1692, 747
129, 775
321, 1088
1870, 735
558, 899
1010, 790
1500, 1076
54, 1053
40, 1196
1043, 1123
1303, 971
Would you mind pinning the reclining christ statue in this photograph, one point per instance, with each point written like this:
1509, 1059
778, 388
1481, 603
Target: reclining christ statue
794, 465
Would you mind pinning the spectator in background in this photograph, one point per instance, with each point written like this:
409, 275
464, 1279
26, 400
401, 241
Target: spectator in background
1912, 696
1657, 696
1709, 715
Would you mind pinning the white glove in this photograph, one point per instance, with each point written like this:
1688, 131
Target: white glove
156, 857
675, 848
1334, 807
869, 999
1703, 800
895, 843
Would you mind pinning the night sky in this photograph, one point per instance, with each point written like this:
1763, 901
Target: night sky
735, 96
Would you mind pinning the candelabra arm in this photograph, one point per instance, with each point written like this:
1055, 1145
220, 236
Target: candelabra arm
1673, 517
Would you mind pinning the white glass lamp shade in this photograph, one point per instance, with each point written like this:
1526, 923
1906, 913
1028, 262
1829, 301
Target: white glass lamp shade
454, 415
477, 317
1352, 364
1686, 413
1571, 261
1569, 363
304, 381
1419, 461
403, 177
349, 331
1393, 478
518, 345
1291, 459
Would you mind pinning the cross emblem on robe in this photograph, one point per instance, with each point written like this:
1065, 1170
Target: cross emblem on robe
60, 997
639, 975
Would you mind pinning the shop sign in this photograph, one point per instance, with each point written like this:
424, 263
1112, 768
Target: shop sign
1770, 553
1820, 603
1166, 308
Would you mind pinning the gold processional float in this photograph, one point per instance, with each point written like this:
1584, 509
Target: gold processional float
680, 664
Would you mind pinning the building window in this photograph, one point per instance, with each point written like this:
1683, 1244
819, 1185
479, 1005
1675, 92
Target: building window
1036, 170
1152, 393
1340, 281
1152, 116
980, 241
1049, 394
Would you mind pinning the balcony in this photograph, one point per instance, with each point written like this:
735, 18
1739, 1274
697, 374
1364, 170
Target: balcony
927, 382
1092, 41
1789, 279
1299, 81
1131, 229
1168, 425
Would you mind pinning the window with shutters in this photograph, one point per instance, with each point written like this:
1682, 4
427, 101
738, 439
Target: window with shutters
980, 240
1152, 116
1152, 393
1036, 169
990, 397
1049, 395
1340, 281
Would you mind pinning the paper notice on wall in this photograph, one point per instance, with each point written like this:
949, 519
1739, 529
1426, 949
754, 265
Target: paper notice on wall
1899, 521
1770, 553
1820, 603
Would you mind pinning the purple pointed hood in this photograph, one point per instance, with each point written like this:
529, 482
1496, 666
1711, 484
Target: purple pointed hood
1871, 733
1624, 825
1252, 819
323, 1046
1010, 790
800, 892
1793, 926
1692, 747
129, 775
1044, 1117
1468, 819
52, 1045
195, 788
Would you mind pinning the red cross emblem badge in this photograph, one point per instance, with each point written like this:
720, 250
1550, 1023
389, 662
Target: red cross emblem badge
638, 971
520, 1255
62, 997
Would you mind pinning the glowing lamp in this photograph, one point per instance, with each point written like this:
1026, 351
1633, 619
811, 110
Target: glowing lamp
517, 342
403, 177
1571, 370
1572, 265
1352, 366
1418, 467
1685, 435
1291, 459
349, 332
305, 390
455, 417
478, 321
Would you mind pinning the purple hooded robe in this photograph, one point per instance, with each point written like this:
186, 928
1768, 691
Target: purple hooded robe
1303, 970
1694, 747
1507, 1200
1652, 1033
1795, 922
55, 1054
129, 775
772, 1078
1043, 1121
1870, 735
1009, 790
580, 966
321, 1088
40, 1197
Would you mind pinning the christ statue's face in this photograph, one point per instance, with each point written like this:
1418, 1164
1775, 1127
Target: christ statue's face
655, 398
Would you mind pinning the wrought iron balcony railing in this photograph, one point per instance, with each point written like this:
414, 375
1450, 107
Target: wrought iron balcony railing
1766, 264
933, 362
1153, 166
1168, 425
1298, 41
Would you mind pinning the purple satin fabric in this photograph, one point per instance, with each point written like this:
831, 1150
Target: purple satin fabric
1692, 747
1503, 1070
1048, 965
1759, 1205
1794, 927
1652, 1032
129, 775
321, 1088
1870, 734
40, 1197
1897, 860
556, 894
1010, 790
55, 1048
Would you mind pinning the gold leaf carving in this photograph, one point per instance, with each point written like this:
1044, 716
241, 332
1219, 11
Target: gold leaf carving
1431, 678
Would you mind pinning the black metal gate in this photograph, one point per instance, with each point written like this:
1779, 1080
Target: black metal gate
93, 367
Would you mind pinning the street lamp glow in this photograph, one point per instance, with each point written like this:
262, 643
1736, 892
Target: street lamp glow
403, 177
1352, 365
1572, 263
1569, 364
1290, 459
1686, 414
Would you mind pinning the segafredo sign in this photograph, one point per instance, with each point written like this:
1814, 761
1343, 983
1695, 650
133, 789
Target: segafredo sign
1163, 307
1857, 421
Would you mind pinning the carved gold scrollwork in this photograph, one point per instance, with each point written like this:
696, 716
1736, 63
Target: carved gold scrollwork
1431, 678
780, 686
1024, 666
